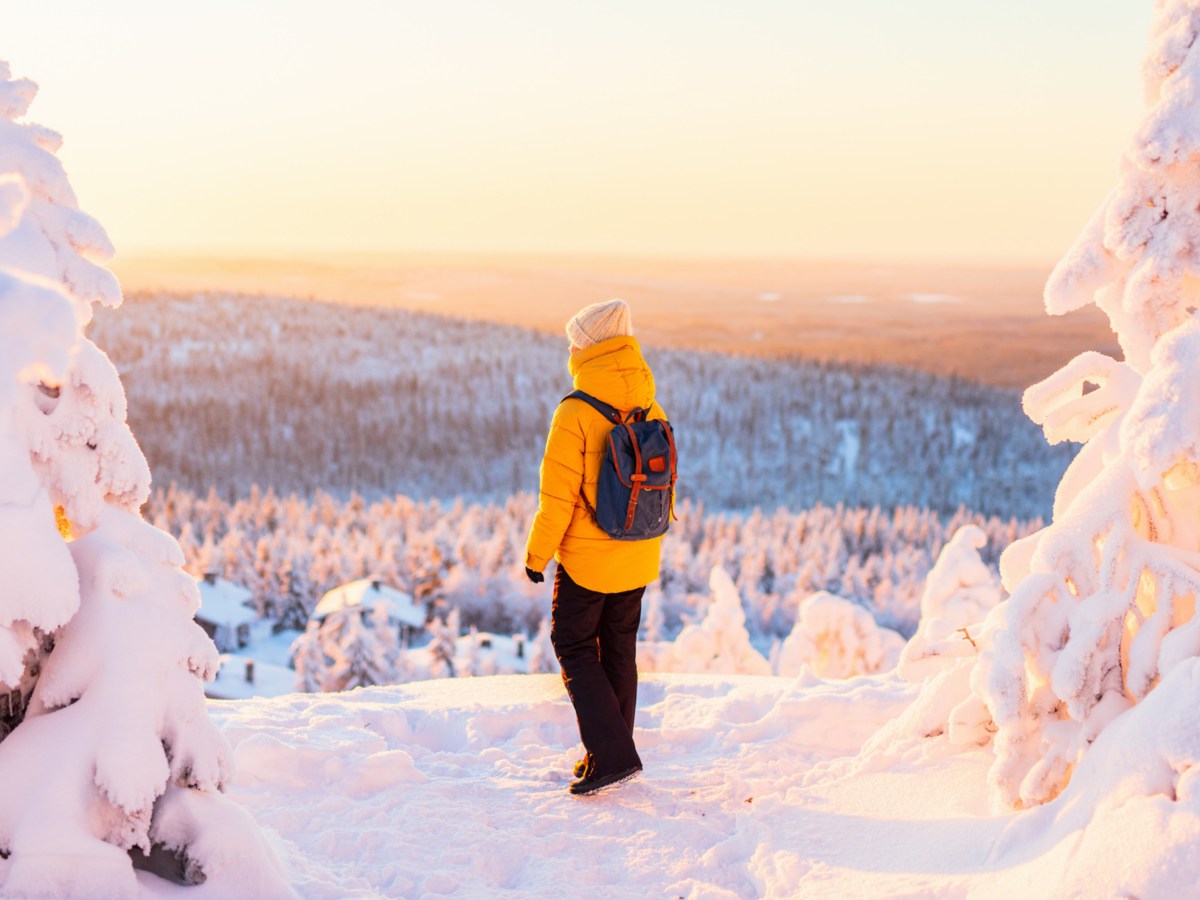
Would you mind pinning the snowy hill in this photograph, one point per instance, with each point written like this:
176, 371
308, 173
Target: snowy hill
751, 788
231, 391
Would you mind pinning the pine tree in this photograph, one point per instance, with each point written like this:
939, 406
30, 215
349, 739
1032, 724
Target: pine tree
1103, 598
117, 707
653, 619
309, 660
542, 658
959, 593
41, 591
441, 650
355, 652
391, 665
720, 641
478, 662
366, 650
296, 595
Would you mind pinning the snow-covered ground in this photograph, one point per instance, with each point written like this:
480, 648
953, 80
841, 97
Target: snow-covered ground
751, 788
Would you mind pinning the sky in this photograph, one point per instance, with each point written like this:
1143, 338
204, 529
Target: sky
927, 130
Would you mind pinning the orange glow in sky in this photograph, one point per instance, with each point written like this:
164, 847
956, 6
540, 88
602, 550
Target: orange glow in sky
926, 130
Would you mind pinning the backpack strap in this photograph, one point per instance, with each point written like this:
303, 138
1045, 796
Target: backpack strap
609, 412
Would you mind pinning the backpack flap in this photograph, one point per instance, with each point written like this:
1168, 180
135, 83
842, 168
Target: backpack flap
645, 449
642, 455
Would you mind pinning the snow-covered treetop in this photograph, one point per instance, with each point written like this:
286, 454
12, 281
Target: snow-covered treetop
39, 332
1128, 260
54, 239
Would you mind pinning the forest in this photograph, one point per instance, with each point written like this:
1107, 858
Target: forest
231, 391
468, 556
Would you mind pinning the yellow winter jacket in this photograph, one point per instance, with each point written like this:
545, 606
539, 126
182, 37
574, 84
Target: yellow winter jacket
612, 371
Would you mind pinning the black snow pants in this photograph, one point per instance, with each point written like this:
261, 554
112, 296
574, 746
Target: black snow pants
595, 640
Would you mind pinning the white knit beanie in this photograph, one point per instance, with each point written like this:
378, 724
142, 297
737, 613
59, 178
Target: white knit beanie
599, 322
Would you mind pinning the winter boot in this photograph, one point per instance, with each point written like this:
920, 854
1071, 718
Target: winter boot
592, 782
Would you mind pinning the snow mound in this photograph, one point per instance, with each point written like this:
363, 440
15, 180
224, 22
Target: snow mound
837, 639
719, 643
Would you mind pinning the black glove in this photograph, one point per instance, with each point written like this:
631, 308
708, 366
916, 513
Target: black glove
535, 577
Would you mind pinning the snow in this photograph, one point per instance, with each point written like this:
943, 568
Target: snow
458, 787
483, 763
505, 654
447, 371
37, 335
717, 643
959, 593
14, 198
837, 639
231, 683
224, 603
370, 594
47, 235
268, 645
1074, 697
1134, 800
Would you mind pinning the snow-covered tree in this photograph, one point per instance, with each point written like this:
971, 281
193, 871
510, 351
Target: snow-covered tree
292, 605
392, 649
41, 587
478, 662
366, 650
1104, 598
542, 658
959, 593
309, 660
837, 639
653, 619
50, 237
441, 650
114, 749
719, 643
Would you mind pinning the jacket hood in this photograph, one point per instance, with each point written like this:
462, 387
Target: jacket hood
615, 372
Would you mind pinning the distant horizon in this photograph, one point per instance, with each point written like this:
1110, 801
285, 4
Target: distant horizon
986, 322
309, 254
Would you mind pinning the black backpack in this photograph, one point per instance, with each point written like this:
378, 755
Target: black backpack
635, 496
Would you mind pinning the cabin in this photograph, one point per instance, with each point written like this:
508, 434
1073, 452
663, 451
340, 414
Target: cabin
226, 612
370, 594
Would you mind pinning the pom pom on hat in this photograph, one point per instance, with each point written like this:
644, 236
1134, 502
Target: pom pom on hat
599, 322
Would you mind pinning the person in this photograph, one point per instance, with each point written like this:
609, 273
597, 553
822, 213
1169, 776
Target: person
599, 581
